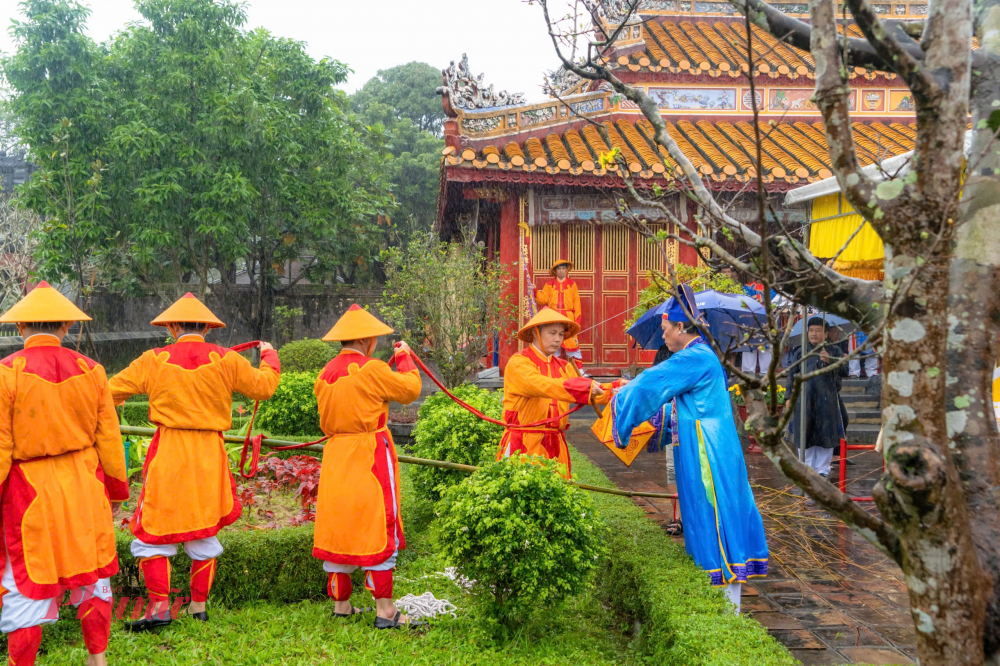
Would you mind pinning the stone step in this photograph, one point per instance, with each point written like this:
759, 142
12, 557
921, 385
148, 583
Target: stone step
860, 401
862, 433
865, 416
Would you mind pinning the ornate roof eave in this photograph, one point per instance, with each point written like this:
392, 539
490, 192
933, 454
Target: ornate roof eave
463, 91
465, 174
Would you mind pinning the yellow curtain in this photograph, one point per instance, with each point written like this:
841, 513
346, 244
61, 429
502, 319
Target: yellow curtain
834, 221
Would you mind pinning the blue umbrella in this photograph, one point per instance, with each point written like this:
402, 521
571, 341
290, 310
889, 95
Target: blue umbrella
724, 313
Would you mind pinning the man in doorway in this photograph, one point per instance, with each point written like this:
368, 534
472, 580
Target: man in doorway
562, 295
823, 417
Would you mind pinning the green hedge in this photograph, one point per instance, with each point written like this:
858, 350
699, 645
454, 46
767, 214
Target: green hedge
136, 413
257, 565
651, 580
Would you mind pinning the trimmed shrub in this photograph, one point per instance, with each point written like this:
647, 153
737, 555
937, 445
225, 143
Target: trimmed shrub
650, 582
258, 565
526, 537
292, 409
446, 431
307, 355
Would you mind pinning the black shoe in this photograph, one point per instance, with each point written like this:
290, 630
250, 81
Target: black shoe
148, 624
201, 617
394, 623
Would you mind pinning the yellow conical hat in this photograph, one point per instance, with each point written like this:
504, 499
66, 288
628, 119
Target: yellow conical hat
43, 303
560, 262
547, 316
356, 324
187, 308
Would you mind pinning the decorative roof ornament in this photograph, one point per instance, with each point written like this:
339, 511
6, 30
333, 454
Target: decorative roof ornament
462, 90
616, 11
561, 82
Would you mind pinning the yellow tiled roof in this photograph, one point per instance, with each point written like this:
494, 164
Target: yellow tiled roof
721, 150
714, 47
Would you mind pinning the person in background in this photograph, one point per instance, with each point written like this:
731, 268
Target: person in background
723, 529
562, 295
358, 522
823, 416
538, 385
833, 338
188, 493
869, 357
62, 467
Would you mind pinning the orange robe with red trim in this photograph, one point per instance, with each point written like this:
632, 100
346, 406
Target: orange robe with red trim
536, 387
188, 492
564, 298
62, 463
357, 521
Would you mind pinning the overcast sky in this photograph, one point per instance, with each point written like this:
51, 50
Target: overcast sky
505, 39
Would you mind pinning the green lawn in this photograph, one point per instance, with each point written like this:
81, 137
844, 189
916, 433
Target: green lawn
306, 632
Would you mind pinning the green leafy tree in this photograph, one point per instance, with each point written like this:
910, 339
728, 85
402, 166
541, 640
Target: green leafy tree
410, 91
444, 299
223, 156
61, 109
401, 107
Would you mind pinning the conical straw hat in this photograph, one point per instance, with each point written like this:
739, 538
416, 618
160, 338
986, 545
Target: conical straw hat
187, 308
44, 303
356, 324
560, 262
547, 316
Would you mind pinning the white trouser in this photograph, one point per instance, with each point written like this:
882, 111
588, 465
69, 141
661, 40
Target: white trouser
576, 353
332, 567
871, 365
752, 355
20, 612
819, 458
200, 549
734, 591
671, 476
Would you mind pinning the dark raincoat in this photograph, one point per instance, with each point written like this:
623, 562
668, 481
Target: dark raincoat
823, 414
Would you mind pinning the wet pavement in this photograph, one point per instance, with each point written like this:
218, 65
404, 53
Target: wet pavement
830, 597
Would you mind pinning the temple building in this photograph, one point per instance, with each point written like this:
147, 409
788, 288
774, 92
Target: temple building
525, 177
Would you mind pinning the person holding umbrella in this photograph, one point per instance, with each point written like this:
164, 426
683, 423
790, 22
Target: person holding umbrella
823, 425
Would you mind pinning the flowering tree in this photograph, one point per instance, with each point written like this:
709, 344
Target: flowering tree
935, 314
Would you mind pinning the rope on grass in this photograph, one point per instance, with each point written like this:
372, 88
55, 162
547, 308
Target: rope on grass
426, 605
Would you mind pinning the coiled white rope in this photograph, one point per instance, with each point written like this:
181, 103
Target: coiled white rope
426, 605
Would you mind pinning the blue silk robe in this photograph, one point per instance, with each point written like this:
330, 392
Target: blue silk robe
723, 530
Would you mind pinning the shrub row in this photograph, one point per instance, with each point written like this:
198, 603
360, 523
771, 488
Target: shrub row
257, 565
446, 431
650, 580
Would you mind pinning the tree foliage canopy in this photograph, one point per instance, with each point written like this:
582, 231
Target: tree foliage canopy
193, 150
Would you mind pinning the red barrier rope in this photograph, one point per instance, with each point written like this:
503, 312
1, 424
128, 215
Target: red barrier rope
252, 445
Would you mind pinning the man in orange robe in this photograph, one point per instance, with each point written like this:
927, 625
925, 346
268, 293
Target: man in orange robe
562, 295
538, 386
188, 493
357, 510
62, 466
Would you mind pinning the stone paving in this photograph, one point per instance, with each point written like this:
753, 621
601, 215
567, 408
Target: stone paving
830, 597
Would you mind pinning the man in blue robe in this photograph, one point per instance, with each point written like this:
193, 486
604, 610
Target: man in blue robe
722, 527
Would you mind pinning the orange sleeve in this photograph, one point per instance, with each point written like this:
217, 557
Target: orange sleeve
6, 422
402, 387
132, 380
524, 379
108, 441
577, 305
256, 383
544, 296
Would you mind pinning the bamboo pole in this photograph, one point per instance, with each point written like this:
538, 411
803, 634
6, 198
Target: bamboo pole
410, 460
